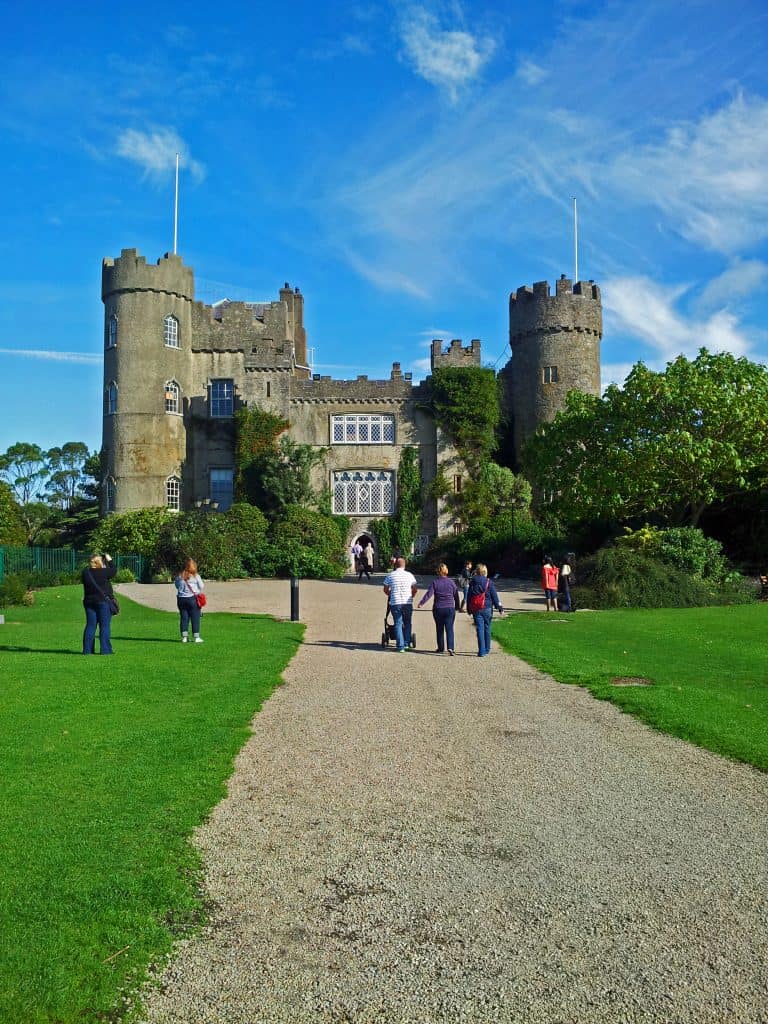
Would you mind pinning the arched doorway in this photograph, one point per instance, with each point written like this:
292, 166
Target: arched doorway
366, 542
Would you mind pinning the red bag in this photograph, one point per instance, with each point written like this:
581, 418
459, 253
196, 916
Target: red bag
476, 602
201, 599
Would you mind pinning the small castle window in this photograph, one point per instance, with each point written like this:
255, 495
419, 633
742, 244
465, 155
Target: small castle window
112, 332
222, 398
109, 494
173, 493
110, 399
457, 483
269, 389
172, 396
171, 331
222, 487
549, 374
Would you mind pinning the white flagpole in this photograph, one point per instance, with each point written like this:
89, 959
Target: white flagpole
575, 243
176, 209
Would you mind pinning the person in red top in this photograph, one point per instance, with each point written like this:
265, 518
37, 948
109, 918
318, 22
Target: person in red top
549, 575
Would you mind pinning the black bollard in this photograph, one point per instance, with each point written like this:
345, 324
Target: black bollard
294, 599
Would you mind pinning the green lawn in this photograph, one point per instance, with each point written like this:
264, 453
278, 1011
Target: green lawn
709, 667
107, 765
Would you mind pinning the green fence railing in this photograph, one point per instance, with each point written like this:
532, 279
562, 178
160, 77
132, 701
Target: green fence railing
13, 560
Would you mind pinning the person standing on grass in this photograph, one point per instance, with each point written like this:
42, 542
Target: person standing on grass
189, 588
549, 578
401, 587
482, 598
97, 593
446, 595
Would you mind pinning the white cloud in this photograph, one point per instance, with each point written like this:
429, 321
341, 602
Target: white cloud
448, 59
644, 309
732, 285
614, 373
709, 176
155, 152
89, 358
530, 73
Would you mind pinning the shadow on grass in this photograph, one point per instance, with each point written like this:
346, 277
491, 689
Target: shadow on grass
17, 649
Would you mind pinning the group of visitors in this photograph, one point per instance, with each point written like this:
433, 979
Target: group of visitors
556, 583
100, 604
362, 557
479, 597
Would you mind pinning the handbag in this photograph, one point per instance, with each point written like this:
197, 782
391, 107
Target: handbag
476, 602
201, 599
112, 604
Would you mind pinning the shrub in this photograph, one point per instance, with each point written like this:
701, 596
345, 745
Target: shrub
12, 590
137, 531
686, 548
124, 576
622, 577
309, 543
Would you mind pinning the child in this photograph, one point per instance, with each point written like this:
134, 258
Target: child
549, 577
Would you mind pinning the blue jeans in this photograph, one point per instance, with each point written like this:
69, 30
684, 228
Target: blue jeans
188, 610
97, 615
402, 614
483, 627
444, 619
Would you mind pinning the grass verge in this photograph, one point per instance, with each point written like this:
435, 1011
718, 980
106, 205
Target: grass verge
708, 667
108, 764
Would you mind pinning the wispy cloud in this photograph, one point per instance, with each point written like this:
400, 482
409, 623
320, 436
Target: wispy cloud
155, 152
646, 310
447, 58
740, 280
88, 358
531, 73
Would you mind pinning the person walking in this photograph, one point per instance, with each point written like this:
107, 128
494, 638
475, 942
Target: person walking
401, 587
190, 600
446, 602
363, 564
465, 576
482, 598
97, 602
369, 555
549, 577
356, 551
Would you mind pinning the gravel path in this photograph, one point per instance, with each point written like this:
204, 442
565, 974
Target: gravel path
417, 838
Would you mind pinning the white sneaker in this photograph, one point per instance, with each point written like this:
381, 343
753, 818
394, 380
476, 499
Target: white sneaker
198, 639
185, 639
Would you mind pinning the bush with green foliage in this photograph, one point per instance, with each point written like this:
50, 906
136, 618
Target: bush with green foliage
13, 590
684, 547
137, 531
623, 577
225, 545
465, 403
398, 532
307, 543
13, 531
124, 576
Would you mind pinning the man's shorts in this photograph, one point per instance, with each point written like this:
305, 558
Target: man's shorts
551, 595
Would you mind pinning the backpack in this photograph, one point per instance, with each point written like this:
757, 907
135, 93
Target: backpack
476, 602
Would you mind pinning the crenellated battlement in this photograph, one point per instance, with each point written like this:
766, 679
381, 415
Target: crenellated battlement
573, 307
325, 388
456, 354
130, 272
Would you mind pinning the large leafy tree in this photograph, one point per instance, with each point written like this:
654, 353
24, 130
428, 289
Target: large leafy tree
24, 467
13, 530
67, 471
668, 444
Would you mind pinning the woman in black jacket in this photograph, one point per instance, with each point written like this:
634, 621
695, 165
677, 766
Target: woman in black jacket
97, 592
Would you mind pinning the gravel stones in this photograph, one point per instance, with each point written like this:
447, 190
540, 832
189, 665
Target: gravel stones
427, 839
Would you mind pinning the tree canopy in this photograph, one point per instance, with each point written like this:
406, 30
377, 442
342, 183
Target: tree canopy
668, 444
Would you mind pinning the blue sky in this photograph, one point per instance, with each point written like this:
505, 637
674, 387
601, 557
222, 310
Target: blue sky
407, 165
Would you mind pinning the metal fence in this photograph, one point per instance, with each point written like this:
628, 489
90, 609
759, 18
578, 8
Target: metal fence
53, 560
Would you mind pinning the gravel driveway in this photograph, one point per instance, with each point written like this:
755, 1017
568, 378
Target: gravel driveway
429, 839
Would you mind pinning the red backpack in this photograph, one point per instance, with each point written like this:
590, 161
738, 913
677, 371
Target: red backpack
476, 602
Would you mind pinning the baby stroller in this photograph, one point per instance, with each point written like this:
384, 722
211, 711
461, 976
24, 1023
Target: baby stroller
389, 630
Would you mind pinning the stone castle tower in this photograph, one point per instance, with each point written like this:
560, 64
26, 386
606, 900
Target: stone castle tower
555, 343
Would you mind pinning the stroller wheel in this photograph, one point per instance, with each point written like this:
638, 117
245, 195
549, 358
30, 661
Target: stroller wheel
383, 639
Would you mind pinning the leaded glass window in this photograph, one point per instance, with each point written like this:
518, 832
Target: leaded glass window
171, 331
173, 493
364, 492
172, 400
363, 428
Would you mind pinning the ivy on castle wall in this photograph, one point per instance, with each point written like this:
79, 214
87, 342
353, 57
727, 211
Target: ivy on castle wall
466, 405
256, 433
399, 531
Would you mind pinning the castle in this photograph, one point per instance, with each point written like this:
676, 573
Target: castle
176, 370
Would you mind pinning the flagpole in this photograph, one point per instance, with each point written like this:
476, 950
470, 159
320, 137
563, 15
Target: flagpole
575, 243
176, 209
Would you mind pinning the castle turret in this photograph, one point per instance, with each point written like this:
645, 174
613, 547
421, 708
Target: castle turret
147, 378
555, 342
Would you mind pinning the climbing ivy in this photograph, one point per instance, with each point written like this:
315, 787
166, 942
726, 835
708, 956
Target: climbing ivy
465, 403
399, 531
256, 433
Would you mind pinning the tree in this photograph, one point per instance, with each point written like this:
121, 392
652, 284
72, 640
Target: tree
12, 528
465, 403
667, 444
281, 476
67, 469
493, 491
24, 467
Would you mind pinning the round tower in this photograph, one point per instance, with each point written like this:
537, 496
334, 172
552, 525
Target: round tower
147, 379
555, 342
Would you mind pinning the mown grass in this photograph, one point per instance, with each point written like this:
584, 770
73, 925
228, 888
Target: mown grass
107, 765
709, 668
